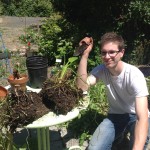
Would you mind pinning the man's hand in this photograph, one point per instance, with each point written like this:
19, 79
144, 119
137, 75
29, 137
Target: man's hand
89, 43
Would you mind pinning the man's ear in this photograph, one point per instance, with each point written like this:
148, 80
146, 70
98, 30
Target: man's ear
122, 52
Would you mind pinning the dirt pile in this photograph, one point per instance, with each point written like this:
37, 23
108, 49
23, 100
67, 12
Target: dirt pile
25, 108
61, 95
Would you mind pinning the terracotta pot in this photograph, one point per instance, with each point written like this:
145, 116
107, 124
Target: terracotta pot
3, 93
18, 84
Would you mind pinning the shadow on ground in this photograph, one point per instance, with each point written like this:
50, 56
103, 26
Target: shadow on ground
27, 138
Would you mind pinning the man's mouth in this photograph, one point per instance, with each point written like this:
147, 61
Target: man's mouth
108, 62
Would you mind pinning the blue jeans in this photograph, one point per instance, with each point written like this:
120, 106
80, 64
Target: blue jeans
112, 128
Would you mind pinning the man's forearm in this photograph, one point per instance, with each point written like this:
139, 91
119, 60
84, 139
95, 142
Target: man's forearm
82, 73
141, 131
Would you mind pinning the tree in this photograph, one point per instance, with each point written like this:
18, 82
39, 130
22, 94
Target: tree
131, 18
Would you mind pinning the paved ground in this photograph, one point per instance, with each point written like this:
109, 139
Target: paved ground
60, 138
13, 27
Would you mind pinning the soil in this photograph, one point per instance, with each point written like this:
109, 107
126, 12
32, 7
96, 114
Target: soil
22, 107
62, 95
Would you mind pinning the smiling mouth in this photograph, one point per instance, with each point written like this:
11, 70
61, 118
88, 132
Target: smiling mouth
107, 62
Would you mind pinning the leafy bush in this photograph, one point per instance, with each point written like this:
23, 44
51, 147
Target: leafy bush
31, 36
55, 42
27, 8
59, 39
1, 8
89, 119
129, 18
133, 23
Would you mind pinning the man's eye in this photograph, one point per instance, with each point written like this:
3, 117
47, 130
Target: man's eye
103, 53
112, 52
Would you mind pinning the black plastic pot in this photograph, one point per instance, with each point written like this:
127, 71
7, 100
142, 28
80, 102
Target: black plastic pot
37, 70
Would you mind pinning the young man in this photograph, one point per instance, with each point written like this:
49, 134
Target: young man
126, 92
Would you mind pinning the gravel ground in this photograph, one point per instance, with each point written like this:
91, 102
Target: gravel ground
13, 27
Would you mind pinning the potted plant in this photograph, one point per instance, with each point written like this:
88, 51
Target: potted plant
18, 81
30, 52
60, 89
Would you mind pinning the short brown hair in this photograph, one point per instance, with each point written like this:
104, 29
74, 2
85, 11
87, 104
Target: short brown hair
112, 37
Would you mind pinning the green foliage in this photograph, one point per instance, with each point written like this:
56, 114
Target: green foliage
66, 66
19, 63
3, 70
65, 71
43, 8
94, 57
98, 98
60, 34
129, 18
133, 24
140, 54
63, 47
1, 8
89, 119
27, 8
55, 42
16, 61
139, 10
31, 36
59, 38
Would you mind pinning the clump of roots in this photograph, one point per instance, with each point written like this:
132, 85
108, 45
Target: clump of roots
62, 94
25, 107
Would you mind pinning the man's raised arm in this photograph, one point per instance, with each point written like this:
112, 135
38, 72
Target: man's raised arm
82, 68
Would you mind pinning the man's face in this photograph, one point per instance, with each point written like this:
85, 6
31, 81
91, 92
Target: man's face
111, 54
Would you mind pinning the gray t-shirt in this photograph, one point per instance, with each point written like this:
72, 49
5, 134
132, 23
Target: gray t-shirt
123, 89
